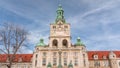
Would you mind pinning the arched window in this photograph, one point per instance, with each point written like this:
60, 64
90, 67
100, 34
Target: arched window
65, 43
55, 43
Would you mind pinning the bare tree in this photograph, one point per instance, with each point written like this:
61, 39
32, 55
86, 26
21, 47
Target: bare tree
12, 38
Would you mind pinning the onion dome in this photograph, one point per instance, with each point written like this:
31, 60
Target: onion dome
79, 42
41, 43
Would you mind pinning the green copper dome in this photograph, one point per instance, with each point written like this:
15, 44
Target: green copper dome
41, 43
60, 14
79, 42
60, 7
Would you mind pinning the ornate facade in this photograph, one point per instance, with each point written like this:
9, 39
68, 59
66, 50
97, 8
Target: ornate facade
61, 53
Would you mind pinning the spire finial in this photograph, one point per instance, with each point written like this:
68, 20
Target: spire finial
60, 13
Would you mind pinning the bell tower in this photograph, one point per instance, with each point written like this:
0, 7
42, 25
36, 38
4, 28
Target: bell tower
60, 31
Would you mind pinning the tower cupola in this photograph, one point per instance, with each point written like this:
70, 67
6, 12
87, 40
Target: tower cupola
60, 14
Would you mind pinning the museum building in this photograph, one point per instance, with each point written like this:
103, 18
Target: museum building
61, 53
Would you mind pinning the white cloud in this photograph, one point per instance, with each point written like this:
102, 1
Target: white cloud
103, 42
36, 35
33, 10
25, 50
99, 14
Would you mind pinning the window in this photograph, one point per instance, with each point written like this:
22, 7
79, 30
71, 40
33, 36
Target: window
84, 60
104, 57
66, 27
65, 53
44, 53
119, 63
36, 55
35, 62
96, 64
55, 43
54, 53
106, 63
95, 56
54, 27
65, 43
54, 61
65, 61
76, 61
75, 53
44, 61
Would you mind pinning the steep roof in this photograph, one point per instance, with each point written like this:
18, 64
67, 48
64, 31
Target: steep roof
23, 57
28, 57
101, 54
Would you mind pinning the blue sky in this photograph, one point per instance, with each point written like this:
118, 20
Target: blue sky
96, 22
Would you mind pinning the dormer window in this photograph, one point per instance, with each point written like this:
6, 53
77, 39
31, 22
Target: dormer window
7, 60
95, 56
20, 59
104, 57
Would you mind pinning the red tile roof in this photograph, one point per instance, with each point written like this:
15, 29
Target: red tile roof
101, 54
24, 57
28, 57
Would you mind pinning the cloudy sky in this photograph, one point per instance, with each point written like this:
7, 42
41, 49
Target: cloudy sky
96, 22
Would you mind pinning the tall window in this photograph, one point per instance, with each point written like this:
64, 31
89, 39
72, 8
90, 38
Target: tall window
96, 63
65, 53
65, 43
54, 53
55, 43
65, 61
119, 63
36, 55
35, 62
54, 61
106, 63
44, 61
76, 61
44, 53
75, 53
84, 60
